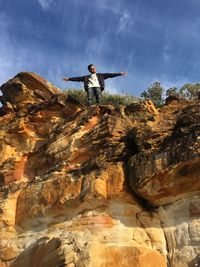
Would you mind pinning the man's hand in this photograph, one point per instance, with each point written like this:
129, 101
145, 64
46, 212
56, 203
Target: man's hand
123, 73
65, 79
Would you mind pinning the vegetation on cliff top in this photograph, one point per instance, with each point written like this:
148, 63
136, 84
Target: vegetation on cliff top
156, 92
107, 98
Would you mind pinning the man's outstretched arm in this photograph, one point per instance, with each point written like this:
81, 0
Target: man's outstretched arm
112, 75
74, 79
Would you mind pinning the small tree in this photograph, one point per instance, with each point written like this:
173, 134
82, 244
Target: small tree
154, 92
173, 91
190, 91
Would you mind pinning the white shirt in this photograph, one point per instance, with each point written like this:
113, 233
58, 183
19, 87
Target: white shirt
93, 81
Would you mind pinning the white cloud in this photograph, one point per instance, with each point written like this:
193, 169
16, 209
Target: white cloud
93, 48
96, 46
126, 20
167, 47
45, 3
113, 6
125, 23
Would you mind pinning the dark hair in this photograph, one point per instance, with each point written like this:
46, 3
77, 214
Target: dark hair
89, 66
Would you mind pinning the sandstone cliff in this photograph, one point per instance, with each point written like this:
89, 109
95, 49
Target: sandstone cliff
96, 186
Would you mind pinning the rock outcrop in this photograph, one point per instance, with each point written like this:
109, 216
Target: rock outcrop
96, 186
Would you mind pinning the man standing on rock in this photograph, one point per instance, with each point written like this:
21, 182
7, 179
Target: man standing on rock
94, 82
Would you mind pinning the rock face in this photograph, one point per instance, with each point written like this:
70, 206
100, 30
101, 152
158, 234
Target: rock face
96, 186
171, 151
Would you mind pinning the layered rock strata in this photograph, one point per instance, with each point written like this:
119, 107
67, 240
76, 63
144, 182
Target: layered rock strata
96, 186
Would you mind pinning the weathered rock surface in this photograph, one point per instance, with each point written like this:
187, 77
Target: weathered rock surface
96, 186
170, 149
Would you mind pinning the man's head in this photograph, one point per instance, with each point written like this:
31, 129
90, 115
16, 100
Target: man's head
92, 68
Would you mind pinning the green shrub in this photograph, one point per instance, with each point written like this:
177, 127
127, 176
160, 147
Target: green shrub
155, 93
78, 94
107, 98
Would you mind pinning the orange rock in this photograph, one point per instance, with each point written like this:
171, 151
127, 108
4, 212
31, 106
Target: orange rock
96, 186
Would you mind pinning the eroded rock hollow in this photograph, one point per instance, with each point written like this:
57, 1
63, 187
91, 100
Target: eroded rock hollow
96, 186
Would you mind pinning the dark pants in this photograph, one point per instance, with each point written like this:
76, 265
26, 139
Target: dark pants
94, 91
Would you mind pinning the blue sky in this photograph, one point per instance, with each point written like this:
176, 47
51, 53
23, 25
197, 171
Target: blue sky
153, 40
